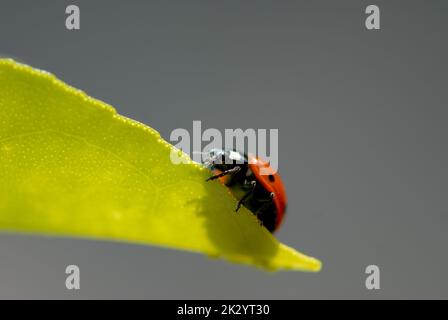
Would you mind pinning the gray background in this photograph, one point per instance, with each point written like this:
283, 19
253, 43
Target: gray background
362, 118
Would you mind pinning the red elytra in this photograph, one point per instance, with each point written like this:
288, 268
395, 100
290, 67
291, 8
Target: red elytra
272, 182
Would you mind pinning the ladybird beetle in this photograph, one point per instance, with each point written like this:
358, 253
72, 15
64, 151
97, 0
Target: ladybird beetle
264, 195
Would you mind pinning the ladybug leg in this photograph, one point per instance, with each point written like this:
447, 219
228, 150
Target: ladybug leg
224, 173
248, 193
265, 206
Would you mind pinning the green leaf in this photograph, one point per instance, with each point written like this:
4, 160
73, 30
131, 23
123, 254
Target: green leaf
71, 166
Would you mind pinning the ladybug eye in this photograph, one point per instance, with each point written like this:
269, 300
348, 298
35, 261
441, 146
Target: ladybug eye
271, 178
